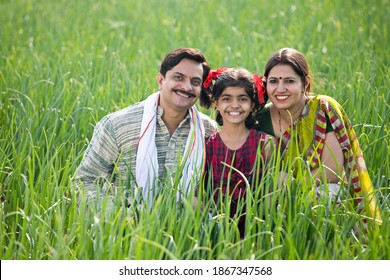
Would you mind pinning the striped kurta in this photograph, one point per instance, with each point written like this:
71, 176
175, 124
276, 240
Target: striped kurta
110, 158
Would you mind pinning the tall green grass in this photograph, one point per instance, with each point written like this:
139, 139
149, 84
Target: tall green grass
65, 64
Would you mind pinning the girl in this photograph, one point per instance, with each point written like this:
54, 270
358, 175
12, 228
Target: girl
232, 151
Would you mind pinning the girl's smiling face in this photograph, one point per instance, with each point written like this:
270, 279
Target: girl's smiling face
234, 105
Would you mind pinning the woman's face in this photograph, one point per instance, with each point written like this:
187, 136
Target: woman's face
234, 105
285, 88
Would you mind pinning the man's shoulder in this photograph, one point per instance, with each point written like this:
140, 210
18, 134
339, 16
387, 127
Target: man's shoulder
132, 113
209, 124
120, 121
134, 108
207, 120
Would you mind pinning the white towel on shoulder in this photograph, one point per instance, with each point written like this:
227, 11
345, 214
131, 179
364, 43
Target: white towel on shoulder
147, 162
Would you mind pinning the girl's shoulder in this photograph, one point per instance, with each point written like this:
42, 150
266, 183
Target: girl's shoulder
212, 138
256, 136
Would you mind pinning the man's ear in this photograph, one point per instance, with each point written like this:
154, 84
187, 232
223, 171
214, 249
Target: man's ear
160, 79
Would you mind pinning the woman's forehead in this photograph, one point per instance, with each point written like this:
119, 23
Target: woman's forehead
282, 71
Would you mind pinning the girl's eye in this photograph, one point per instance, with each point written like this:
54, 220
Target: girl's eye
290, 81
272, 81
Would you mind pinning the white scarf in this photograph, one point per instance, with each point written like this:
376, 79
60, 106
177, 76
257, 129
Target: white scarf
147, 163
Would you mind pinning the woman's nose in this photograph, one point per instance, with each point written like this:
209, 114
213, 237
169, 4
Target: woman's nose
281, 87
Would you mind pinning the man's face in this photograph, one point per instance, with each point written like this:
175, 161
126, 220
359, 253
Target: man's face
181, 86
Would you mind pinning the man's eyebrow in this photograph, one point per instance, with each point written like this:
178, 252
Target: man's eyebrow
183, 75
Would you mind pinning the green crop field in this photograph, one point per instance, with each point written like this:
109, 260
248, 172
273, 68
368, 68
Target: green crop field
65, 64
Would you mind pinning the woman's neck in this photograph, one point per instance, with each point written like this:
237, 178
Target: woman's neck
285, 118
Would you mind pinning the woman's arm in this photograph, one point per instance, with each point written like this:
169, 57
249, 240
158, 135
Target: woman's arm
269, 147
332, 159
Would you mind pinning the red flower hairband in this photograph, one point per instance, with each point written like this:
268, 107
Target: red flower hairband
213, 75
260, 88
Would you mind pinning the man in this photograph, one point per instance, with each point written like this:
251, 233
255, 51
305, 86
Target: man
140, 145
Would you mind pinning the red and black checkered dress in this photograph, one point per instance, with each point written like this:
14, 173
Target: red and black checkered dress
224, 178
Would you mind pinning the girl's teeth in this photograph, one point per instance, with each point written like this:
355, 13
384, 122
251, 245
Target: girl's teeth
234, 113
281, 97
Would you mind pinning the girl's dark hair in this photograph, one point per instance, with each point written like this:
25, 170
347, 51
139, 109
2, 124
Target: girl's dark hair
235, 77
174, 57
292, 57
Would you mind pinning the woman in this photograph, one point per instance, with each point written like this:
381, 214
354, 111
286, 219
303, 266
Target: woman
231, 152
314, 128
